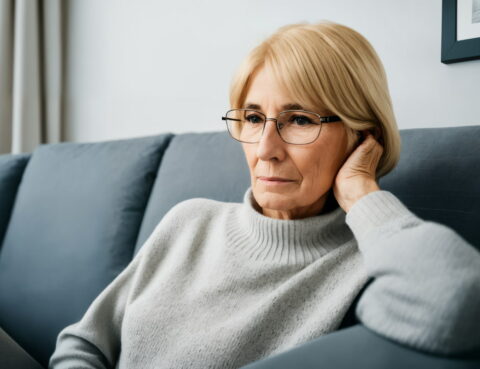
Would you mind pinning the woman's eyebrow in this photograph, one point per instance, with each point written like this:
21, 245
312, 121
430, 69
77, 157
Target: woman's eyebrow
289, 106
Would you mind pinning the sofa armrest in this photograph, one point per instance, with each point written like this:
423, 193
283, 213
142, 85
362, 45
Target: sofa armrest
358, 347
12, 355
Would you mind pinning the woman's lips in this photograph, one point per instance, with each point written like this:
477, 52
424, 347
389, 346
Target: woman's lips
274, 180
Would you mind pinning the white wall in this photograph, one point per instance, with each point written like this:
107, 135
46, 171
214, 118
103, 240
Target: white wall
143, 67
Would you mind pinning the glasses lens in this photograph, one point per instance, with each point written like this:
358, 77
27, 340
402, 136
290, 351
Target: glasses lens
295, 126
245, 125
299, 127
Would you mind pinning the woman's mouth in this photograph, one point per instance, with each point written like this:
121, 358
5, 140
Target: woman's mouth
275, 180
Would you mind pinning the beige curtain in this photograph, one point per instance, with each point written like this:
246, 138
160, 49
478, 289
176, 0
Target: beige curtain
31, 70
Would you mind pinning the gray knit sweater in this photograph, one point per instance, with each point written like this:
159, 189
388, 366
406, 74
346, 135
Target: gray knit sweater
219, 285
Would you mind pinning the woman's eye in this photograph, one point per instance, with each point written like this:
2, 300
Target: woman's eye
253, 119
301, 120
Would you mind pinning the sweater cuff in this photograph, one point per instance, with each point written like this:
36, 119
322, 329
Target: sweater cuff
374, 210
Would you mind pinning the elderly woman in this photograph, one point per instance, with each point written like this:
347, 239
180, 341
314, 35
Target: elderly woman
220, 285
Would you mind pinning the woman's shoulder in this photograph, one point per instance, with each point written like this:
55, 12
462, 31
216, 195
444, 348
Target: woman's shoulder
200, 206
186, 217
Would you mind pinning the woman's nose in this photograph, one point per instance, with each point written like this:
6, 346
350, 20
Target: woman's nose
270, 144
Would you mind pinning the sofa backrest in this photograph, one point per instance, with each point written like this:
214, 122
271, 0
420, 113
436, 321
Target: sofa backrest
209, 165
11, 172
438, 177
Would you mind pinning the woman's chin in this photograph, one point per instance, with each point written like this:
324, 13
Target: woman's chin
276, 186
273, 201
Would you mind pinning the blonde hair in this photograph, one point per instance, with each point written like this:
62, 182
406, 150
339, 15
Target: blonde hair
334, 66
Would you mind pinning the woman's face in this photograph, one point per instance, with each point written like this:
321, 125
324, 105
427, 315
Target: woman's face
311, 167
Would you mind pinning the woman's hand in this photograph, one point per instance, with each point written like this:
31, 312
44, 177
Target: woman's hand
356, 177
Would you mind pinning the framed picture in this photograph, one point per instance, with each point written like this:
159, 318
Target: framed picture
460, 30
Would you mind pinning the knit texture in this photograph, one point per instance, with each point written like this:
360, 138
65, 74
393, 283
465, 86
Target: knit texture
220, 285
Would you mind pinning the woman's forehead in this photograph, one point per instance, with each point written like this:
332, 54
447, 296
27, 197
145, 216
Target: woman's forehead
264, 87
289, 106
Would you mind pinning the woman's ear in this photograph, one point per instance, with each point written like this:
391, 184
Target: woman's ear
361, 137
378, 135
353, 141
375, 131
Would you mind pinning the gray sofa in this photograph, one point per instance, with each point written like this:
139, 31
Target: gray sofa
72, 216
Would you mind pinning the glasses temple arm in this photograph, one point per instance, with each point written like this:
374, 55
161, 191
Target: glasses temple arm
332, 118
225, 118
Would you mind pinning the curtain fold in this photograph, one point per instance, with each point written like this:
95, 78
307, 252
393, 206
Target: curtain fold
31, 73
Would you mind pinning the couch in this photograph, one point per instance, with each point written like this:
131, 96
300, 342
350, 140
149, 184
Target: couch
73, 215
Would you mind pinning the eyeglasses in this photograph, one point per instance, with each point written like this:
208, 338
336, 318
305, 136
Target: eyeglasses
297, 127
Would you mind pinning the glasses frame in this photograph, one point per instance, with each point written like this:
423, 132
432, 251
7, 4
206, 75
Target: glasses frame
326, 119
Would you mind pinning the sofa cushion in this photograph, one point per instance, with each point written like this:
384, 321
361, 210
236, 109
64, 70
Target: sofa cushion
359, 347
72, 231
438, 177
11, 171
13, 356
209, 165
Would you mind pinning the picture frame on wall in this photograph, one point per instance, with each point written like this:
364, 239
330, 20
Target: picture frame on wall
460, 30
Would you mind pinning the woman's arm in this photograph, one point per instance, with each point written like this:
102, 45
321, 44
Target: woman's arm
94, 341
426, 288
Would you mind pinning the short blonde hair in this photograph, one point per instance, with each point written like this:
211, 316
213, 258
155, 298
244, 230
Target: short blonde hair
334, 66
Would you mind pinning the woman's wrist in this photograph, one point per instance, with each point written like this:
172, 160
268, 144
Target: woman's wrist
361, 190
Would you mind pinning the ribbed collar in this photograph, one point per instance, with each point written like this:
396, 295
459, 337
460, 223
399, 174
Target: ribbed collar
298, 241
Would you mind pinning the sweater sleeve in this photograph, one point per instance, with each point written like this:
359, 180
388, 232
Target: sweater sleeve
95, 340
425, 291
